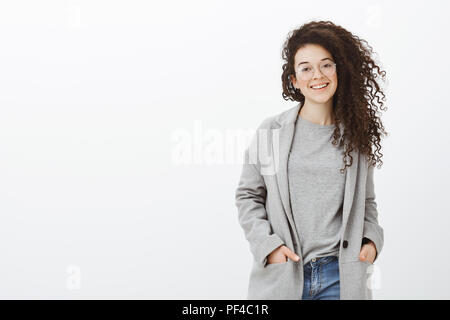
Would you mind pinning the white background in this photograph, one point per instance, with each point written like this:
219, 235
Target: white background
93, 203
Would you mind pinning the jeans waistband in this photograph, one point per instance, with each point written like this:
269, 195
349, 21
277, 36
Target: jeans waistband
321, 261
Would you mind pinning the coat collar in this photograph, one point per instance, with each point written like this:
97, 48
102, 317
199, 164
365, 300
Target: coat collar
290, 116
284, 123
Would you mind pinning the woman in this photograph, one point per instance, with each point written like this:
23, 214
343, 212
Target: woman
312, 225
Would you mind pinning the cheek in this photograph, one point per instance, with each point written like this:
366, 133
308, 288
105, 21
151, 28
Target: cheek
335, 80
335, 83
303, 85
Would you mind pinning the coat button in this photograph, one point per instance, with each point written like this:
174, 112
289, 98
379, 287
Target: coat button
345, 244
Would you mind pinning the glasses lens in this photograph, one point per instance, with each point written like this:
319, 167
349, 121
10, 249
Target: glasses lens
328, 68
306, 71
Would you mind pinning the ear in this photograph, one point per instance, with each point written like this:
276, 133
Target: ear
292, 79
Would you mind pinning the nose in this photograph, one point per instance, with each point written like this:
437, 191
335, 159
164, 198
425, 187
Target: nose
317, 73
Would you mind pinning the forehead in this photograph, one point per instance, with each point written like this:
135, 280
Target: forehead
312, 53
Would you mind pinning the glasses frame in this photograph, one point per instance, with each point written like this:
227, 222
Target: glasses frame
297, 72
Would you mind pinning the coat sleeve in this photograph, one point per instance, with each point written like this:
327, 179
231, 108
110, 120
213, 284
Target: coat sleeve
250, 198
372, 229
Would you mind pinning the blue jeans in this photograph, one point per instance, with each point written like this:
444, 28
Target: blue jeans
321, 279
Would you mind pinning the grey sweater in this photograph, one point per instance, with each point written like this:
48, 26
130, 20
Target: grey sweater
316, 188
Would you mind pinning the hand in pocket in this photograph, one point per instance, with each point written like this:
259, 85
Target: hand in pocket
368, 252
281, 254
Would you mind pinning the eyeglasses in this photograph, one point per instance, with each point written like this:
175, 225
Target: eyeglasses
306, 71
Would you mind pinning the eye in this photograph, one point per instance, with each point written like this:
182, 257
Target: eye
305, 69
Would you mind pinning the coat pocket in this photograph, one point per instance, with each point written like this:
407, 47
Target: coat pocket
368, 262
355, 280
270, 265
274, 281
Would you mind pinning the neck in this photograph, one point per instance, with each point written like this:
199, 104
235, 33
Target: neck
320, 113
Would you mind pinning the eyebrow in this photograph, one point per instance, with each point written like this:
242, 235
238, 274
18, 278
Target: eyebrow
320, 60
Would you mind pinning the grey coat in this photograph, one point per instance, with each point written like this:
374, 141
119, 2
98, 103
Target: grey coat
264, 211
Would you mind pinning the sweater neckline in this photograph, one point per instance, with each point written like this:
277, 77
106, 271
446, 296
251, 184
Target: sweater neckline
315, 125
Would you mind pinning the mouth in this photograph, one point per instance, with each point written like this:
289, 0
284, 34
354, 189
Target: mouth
320, 86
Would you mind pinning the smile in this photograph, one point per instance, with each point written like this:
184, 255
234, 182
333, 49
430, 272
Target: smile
319, 86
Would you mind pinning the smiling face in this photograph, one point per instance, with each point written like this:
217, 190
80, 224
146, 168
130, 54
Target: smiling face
312, 55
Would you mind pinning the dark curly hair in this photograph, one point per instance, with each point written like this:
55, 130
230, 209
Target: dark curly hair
358, 91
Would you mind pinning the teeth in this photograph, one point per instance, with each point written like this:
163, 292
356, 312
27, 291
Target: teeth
318, 87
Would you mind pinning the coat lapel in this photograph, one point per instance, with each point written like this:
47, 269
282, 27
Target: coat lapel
349, 193
285, 124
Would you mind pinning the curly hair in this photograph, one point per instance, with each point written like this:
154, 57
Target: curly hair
358, 91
